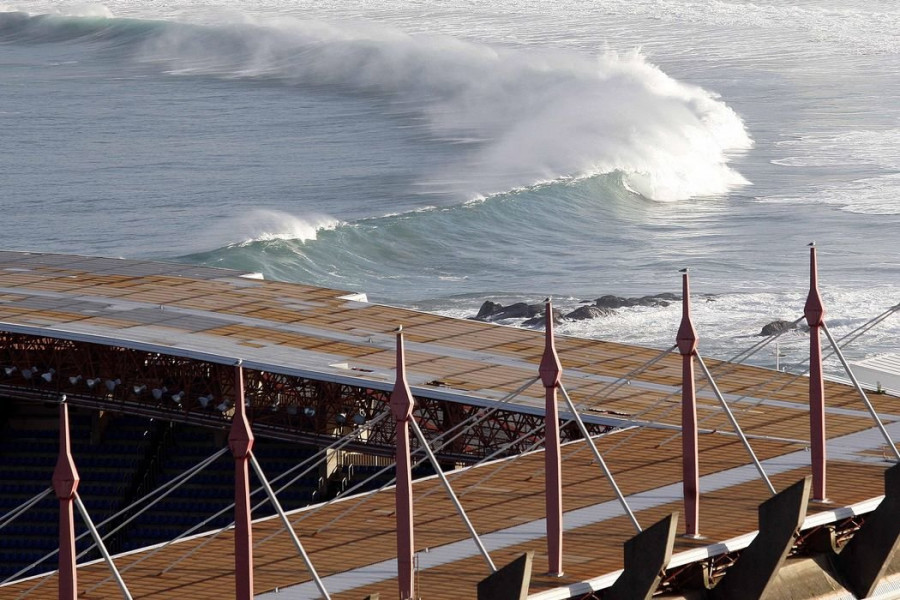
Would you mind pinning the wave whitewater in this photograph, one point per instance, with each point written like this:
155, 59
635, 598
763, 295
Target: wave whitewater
522, 116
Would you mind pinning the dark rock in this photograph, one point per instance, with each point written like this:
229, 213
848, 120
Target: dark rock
610, 302
491, 311
618, 302
538, 321
589, 312
776, 327
487, 310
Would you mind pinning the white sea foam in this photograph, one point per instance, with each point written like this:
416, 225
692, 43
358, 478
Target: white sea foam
729, 324
64, 9
868, 195
541, 114
852, 148
269, 225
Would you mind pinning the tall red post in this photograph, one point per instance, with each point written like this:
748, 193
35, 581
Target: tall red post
401, 409
240, 441
814, 311
551, 371
65, 483
690, 452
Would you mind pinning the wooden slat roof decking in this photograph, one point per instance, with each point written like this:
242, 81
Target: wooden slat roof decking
182, 309
513, 497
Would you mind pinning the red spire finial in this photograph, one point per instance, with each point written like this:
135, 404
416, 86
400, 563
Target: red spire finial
687, 335
550, 368
401, 396
814, 310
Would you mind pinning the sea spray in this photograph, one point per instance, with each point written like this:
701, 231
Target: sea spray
260, 225
527, 116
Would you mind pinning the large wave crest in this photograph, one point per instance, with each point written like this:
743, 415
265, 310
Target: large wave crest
518, 116
528, 116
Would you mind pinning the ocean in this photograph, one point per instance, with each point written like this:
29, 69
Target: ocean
435, 155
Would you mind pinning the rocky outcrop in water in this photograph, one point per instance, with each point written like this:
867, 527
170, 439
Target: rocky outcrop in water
605, 306
590, 311
618, 302
493, 311
540, 320
776, 327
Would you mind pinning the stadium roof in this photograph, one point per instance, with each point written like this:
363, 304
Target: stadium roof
218, 316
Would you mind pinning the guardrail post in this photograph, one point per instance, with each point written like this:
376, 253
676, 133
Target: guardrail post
814, 311
402, 408
551, 371
65, 483
690, 459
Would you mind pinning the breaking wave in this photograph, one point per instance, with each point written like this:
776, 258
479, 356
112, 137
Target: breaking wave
519, 116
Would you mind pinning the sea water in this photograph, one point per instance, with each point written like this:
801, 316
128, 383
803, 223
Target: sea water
439, 154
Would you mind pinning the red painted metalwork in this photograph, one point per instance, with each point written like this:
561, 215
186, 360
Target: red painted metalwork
240, 441
65, 484
402, 409
551, 371
814, 311
690, 462
280, 406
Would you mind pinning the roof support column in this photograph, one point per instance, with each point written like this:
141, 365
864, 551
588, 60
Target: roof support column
240, 441
551, 371
814, 312
690, 452
65, 483
401, 409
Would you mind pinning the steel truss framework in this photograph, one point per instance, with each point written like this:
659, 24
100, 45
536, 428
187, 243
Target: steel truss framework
41, 368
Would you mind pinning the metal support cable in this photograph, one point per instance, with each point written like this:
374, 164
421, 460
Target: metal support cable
362, 499
758, 346
599, 458
862, 393
453, 498
336, 445
16, 512
502, 465
274, 500
180, 479
865, 327
459, 429
734, 423
508, 462
847, 339
99, 542
605, 391
506, 446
